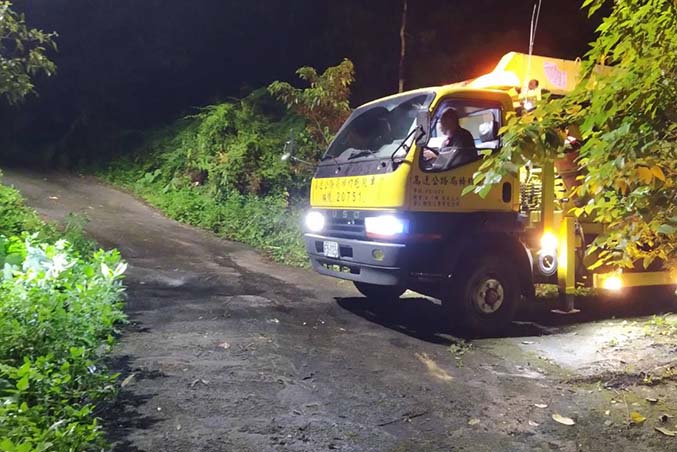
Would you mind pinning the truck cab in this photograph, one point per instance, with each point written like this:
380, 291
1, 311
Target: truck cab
388, 209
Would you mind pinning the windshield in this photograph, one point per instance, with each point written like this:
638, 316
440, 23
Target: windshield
378, 130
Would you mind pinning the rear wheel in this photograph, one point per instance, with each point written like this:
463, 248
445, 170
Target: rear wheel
379, 293
484, 296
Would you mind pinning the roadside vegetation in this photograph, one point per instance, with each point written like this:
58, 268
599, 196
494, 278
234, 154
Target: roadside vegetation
60, 301
220, 169
628, 122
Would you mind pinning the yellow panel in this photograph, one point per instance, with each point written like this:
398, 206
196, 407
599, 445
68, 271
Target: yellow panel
441, 192
637, 279
461, 92
516, 69
566, 270
375, 191
593, 228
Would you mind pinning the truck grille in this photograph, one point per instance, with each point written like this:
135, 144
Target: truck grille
345, 228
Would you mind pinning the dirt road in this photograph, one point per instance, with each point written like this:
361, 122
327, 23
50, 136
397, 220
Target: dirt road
229, 352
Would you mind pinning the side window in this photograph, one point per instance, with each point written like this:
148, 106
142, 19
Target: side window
459, 129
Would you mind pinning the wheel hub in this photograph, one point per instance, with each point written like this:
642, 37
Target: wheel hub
489, 296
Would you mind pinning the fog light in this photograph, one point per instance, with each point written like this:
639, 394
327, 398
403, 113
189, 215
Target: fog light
613, 283
548, 242
378, 254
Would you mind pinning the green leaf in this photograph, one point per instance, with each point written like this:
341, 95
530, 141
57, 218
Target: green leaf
467, 189
666, 229
484, 191
23, 384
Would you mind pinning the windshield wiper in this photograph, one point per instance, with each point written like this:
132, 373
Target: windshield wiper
327, 157
361, 153
403, 144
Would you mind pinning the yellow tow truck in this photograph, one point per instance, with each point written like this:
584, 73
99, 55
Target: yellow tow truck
388, 217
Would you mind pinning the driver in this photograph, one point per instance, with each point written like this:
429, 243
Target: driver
458, 140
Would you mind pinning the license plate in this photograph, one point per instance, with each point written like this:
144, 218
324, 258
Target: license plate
330, 249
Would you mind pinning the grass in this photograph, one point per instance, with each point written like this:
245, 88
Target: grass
661, 325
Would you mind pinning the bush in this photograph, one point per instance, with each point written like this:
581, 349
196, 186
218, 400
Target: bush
229, 147
59, 304
55, 311
16, 217
221, 170
271, 223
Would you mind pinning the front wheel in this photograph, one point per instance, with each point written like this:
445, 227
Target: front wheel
484, 296
379, 293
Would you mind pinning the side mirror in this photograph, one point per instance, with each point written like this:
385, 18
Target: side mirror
288, 153
289, 150
488, 131
423, 124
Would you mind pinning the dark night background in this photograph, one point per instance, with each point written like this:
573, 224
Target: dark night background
135, 64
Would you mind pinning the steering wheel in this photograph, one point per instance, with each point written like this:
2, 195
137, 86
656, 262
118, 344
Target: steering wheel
446, 159
433, 150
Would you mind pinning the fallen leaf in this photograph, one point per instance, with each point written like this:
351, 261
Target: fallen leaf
534, 424
473, 421
651, 400
199, 380
127, 381
540, 405
636, 418
664, 417
563, 419
665, 431
608, 423
658, 172
645, 174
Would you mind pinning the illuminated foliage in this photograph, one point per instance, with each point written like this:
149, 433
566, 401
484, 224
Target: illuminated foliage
22, 54
628, 121
324, 104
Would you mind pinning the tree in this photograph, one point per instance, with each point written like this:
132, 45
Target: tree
628, 120
324, 104
22, 54
403, 45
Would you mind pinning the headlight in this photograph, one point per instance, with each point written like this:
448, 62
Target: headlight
314, 221
385, 225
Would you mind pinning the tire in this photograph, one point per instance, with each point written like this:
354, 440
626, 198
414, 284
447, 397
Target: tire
379, 293
483, 296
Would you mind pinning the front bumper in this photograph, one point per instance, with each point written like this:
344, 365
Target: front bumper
357, 261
